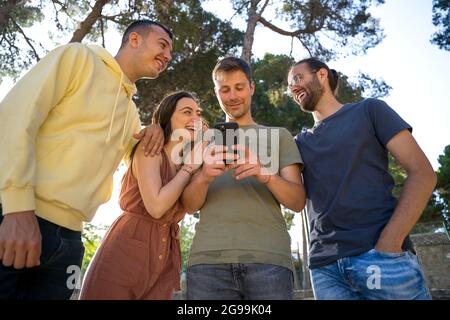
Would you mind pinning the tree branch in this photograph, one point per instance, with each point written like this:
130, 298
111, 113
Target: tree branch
86, 25
281, 31
238, 10
102, 28
58, 23
292, 46
263, 8
27, 40
111, 18
304, 46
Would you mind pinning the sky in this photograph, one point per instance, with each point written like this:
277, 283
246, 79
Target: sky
417, 71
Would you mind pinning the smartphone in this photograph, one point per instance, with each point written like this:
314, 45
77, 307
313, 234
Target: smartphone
226, 134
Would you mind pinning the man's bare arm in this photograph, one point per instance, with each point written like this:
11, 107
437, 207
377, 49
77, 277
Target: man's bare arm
415, 193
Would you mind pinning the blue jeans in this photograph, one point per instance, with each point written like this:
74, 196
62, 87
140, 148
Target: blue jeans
372, 275
230, 281
61, 257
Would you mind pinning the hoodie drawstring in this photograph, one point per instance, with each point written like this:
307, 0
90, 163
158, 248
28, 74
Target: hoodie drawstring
126, 122
108, 138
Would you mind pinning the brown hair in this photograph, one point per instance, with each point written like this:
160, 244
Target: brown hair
230, 64
315, 64
142, 27
163, 113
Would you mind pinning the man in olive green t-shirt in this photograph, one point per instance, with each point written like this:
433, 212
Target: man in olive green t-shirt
241, 248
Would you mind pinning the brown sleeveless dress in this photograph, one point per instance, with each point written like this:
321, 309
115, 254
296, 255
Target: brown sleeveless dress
139, 258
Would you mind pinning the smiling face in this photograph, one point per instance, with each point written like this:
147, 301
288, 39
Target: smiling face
234, 92
305, 88
154, 53
186, 115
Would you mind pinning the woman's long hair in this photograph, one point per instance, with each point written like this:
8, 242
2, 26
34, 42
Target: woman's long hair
163, 113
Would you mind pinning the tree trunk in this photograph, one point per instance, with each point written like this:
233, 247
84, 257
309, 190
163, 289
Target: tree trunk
86, 26
253, 18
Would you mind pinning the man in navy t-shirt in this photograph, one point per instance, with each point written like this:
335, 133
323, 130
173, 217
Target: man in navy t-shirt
359, 245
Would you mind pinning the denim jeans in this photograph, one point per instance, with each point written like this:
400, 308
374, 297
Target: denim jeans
54, 279
249, 281
372, 275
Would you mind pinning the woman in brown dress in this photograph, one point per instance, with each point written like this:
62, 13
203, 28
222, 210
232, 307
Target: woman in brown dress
139, 258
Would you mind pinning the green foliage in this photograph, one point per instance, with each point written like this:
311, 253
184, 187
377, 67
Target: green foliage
270, 104
362, 87
443, 177
18, 51
200, 39
92, 236
15, 17
325, 28
437, 207
186, 237
443, 187
333, 28
441, 18
398, 173
434, 210
289, 216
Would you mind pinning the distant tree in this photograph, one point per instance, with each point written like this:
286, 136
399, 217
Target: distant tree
437, 210
69, 16
362, 87
186, 237
324, 28
289, 216
14, 17
398, 174
434, 211
443, 186
272, 106
437, 206
200, 39
443, 175
441, 18
91, 236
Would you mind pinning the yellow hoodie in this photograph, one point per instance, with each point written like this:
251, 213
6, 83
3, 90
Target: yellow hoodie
64, 128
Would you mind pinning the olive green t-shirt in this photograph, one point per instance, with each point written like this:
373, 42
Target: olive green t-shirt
241, 221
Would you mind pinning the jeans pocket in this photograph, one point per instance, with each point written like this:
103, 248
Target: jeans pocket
62, 251
389, 254
52, 249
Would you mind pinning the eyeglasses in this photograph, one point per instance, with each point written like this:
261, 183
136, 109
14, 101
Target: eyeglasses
296, 79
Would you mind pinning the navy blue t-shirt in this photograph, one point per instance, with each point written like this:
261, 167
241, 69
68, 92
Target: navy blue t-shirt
347, 180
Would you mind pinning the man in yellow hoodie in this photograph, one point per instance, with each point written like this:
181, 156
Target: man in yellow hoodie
65, 127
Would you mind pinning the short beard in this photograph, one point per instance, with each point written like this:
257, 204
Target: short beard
314, 92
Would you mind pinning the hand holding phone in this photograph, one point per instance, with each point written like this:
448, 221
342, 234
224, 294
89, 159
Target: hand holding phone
226, 134
249, 165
